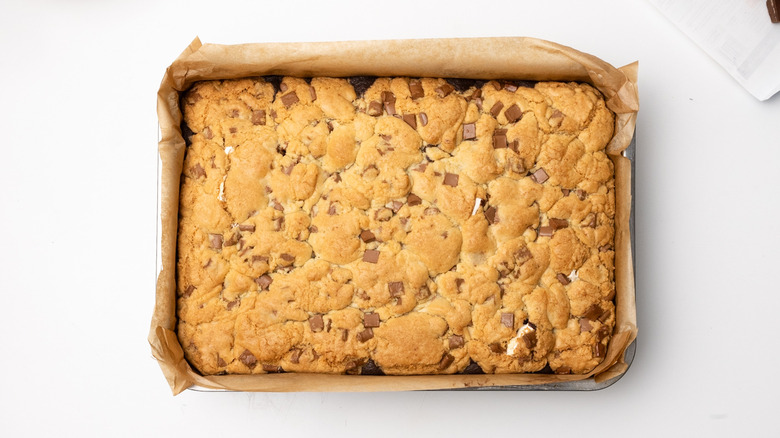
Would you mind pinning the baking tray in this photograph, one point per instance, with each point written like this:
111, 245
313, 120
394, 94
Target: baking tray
589, 384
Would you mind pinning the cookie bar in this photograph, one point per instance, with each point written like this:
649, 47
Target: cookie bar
396, 226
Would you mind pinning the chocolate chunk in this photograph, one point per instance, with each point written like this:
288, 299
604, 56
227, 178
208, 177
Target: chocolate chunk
410, 120
416, 89
316, 323
499, 141
395, 206
272, 368
207, 133
446, 361
585, 325
508, 86
384, 214
288, 170
187, 292
221, 362
456, 342
283, 87
563, 370
374, 108
258, 117
388, 99
473, 368
490, 214
599, 350
515, 145
371, 255
248, 359
508, 319
563, 279
278, 206
312, 93
496, 109
476, 94
424, 119
605, 316
773, 6
396, 288
295, 357
361, 83
259, 259
197, 171
365, 335
421, 167
469, 131
580, 194
371, 320
264, 281
529, 338
445, 90
278, 222
522, 255
430, 211
539, 176
215, 241
589, 221
602, 333
495, 347
247, 227
605, 248
565, 192
332, 209
290, 99
413, 200
371, 369
232, 240
513, 113
559, 224
593, 312
367, 236
232, 304
287, 257
233, 130
344, 334
459, 283
546, 231
451, 179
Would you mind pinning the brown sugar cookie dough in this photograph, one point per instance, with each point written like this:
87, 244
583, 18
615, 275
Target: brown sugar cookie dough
395, 226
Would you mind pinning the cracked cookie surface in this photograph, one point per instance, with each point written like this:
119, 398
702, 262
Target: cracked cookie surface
395, 225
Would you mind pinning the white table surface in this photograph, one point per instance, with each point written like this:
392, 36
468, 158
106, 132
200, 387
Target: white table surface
77, 213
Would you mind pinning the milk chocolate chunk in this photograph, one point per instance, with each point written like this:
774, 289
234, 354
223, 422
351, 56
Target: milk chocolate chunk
508, 319
539, 176
459, 283
264, 281
221, 362
396, 288
563, 279
374, 108
469, 131
593, 312
559, 224
565, 192
773, 6
451, 179
259, 259
523, 254
290, 99
424, 119
563, 370
456, 342
445, 90
316, 323
413, 200
371, 320
499, 141
272, 368
197, 171
513, 113
258, 117
508, 86
446, 361
490, 214
602, 333
295, 357
283, 87
187, 292
605, 248
371, 256
495, 110
421, 167
288, 170
546, 231
278, 222
430, 211
232, 240
312, 93
365, 335
246, 227
410, 120
473, 368
287, 257
207, 133
529, 338
367, 236
589, 221
278, 206
599, 350
215, 241
495, 347
585, 325
580, 194
388, 99
416, 89
248, 359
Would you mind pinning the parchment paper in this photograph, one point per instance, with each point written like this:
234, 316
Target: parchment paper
477, 58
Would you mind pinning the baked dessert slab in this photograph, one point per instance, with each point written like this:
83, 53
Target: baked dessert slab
395, 225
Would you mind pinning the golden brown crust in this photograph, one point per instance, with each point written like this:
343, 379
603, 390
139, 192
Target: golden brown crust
416, 227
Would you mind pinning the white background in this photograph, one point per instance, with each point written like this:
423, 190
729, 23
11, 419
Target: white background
78, 134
